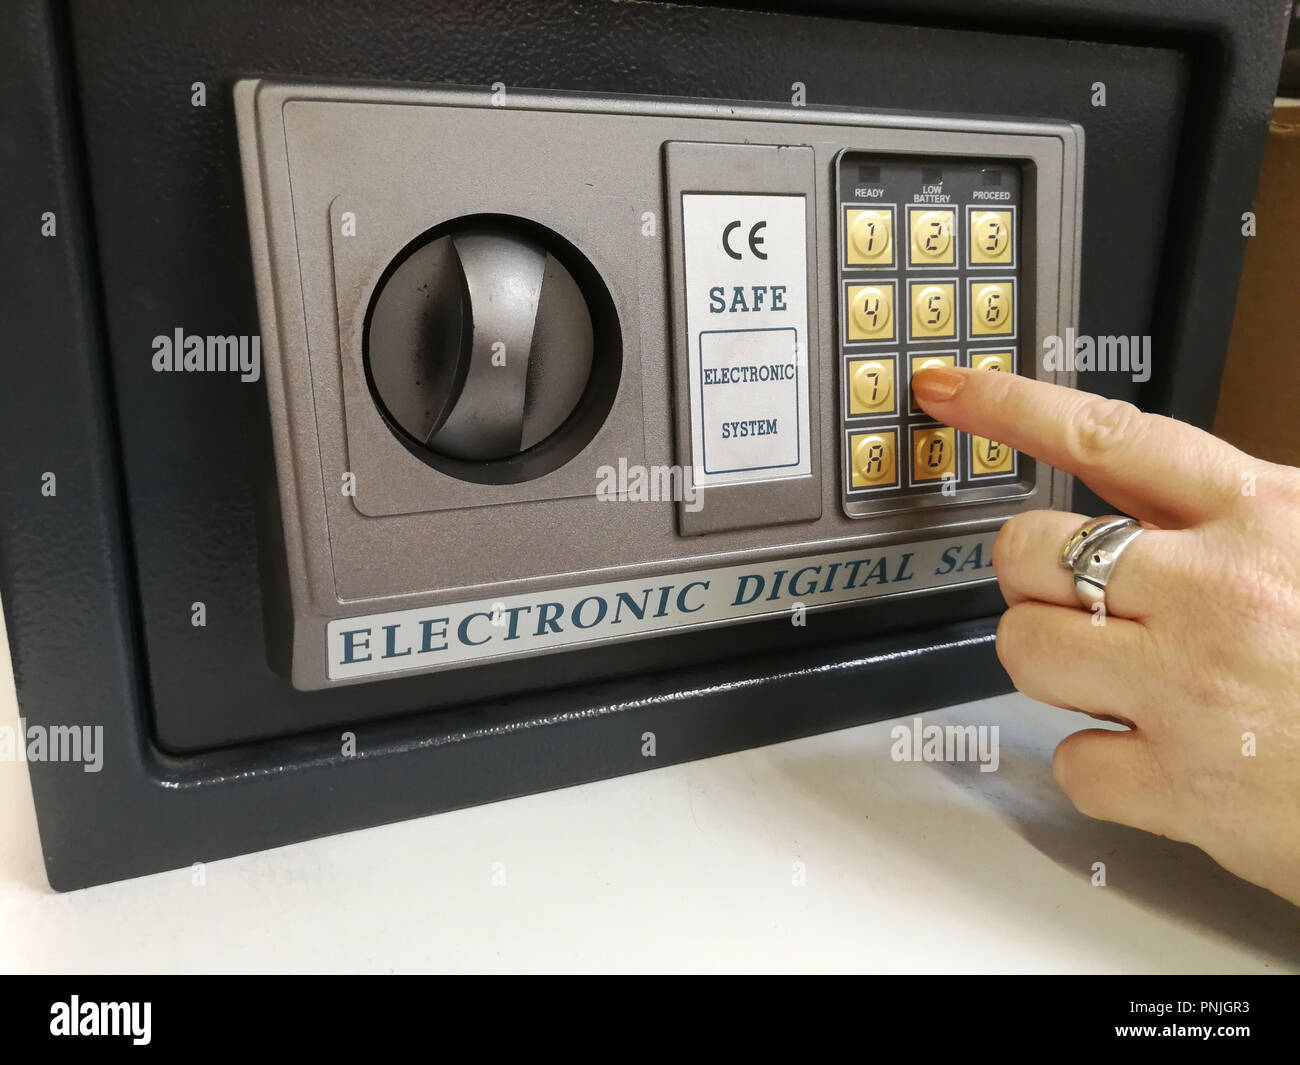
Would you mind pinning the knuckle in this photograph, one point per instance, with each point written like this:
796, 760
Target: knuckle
1101, 428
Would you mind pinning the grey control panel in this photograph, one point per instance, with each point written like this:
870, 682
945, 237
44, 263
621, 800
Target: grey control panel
659, 396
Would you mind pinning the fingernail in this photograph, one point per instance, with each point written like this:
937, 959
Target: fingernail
937, 384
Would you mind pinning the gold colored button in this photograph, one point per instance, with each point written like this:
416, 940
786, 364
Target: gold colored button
990, 456
990, 308
869, 236
991, 360
871, 386
990, 237
934, 453
874, 458
871, 312
932, 309
925, 362
931, 241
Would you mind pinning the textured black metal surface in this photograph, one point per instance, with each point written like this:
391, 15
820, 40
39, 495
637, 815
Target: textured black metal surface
174, 502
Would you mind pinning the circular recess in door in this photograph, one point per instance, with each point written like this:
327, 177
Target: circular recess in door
492, 349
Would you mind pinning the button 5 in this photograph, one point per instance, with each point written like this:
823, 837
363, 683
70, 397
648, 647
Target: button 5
932, 310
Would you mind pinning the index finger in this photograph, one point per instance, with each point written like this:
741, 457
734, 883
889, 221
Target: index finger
1155, 468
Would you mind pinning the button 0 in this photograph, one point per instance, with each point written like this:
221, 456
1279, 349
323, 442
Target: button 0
874, 458
932, 310
934, 453
869, 236
871, 312
990, 456
990, 237
998, 361
871, 386
991, 308
931, 237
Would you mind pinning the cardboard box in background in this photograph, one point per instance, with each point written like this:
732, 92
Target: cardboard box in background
1259, 402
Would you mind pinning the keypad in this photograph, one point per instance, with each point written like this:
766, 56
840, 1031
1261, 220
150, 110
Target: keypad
928, 264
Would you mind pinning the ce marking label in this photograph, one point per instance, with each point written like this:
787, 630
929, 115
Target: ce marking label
755, 239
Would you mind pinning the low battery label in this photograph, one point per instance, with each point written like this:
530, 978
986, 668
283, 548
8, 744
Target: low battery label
747, 326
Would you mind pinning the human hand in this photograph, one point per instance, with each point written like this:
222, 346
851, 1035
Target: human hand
1198, 651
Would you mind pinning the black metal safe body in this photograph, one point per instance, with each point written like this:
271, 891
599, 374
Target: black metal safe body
163, 496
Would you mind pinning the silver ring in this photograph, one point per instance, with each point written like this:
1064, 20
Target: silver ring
1092, 551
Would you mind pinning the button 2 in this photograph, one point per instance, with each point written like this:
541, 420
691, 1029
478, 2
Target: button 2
874, 459
869, 236
871, 312
931, 237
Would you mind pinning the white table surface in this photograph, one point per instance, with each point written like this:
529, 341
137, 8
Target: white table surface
910, 867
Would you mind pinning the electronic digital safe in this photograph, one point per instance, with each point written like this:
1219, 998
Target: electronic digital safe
416, 409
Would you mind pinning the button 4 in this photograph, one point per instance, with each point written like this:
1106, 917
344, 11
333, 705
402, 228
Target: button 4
871, 312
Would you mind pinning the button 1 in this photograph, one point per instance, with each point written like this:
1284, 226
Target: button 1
869, 236
932, 310
990, 457
931, 237
874, 457
990, 237
871, 386
934, 453
991, 308
871, 312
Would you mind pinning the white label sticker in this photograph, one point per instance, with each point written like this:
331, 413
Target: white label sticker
747, 333
438, 637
